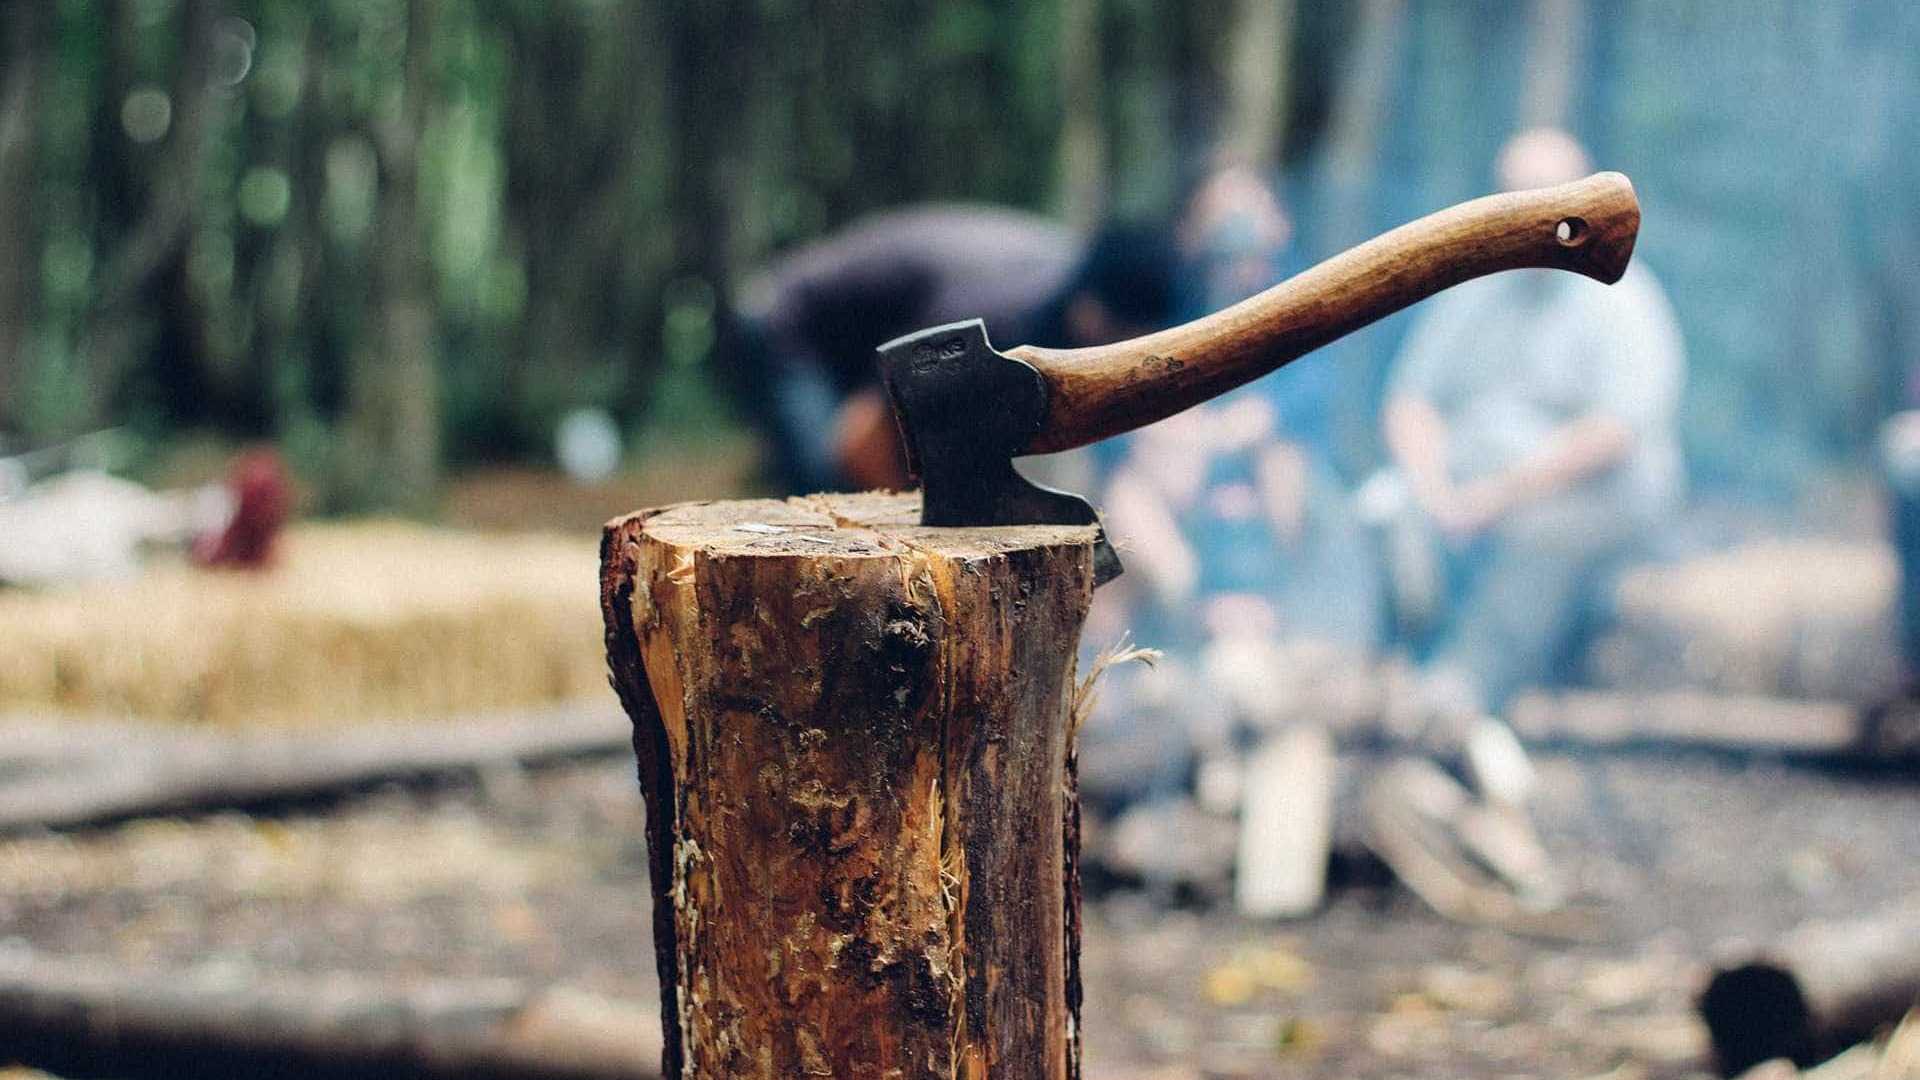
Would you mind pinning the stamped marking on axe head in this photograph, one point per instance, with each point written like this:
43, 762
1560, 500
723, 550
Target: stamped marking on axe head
965, 412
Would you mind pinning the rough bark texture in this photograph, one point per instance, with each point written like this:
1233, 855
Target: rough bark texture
854, 742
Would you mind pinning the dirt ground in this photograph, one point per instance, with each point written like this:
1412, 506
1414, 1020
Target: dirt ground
542, 875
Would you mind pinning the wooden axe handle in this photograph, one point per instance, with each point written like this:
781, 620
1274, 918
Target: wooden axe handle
1587, 226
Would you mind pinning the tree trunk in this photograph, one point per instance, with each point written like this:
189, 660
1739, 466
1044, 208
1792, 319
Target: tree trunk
1260, 55
1359, 113
1083, 136
393, 428
855, 744
137, 318
22, 31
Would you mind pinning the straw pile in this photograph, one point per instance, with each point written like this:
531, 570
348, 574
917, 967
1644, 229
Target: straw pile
369, 621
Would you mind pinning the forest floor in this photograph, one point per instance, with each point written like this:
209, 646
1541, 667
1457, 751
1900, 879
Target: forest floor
541, 875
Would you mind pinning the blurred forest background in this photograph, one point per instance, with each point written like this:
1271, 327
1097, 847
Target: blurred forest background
403, 236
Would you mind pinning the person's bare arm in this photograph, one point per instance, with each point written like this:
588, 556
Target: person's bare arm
1584, 448
1155, 549
1572, 453
866, 442
1417, 438
1634, 346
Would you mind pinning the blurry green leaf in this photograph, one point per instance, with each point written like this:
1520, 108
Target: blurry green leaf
146, 114
264, 195
56, 394
463, 165
150, 14
688, 331
276, 79
963, 29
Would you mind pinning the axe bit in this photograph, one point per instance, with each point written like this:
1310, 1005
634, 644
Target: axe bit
966, 410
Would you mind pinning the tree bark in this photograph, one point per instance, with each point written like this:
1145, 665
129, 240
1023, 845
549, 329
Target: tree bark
855, 743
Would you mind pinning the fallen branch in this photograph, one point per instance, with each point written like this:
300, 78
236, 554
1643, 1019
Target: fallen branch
62, 775
220, 1020
1750, 723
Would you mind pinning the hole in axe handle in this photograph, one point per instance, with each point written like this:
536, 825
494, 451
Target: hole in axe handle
1571, 232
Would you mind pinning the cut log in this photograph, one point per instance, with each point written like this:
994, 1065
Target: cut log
1286, 825
855, 745
1823, 986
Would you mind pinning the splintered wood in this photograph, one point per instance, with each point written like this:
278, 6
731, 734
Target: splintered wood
854, 745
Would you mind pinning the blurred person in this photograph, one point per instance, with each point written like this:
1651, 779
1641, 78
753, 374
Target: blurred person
82, 525
799, 353
253, 507
1232, 511
1241, 550
1531, 419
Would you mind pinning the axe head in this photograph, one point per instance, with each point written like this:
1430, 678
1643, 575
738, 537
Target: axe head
965, 412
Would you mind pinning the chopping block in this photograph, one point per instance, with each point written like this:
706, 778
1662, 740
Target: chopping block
855, 741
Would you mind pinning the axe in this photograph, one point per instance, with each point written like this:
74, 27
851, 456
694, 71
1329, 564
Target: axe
966, 410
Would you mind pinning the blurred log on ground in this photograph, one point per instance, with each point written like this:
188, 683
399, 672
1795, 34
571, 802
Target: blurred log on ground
1286, 825
67, 773
1816, 990
371, 621
1746, 723
856, 749
1793, 618
233, 1020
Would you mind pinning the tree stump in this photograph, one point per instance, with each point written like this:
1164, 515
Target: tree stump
856, 746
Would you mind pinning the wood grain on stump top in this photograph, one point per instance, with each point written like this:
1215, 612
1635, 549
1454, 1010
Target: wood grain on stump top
854, 741
882, 524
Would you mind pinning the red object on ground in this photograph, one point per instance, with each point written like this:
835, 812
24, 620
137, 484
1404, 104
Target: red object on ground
262, 498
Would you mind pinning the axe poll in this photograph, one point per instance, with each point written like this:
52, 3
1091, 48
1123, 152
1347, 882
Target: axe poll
966, 410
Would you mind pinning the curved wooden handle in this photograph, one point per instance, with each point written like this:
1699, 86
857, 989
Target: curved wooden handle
1587, 227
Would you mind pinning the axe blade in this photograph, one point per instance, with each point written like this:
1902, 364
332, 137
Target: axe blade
965, 412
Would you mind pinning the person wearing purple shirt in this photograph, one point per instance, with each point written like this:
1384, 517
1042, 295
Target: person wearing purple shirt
798, 356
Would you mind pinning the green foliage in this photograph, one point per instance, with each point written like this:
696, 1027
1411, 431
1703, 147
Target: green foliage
212, 190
